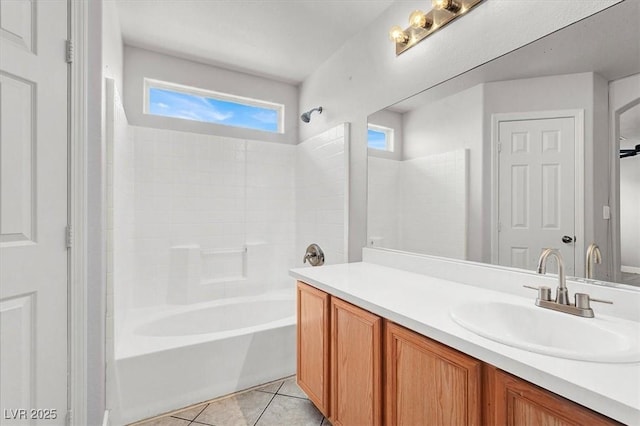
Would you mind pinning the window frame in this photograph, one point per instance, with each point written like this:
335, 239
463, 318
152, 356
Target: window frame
150, 83
389, 136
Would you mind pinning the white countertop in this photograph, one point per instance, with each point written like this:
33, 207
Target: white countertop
422, 304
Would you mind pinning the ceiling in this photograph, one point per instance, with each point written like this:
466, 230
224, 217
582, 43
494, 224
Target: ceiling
281, 39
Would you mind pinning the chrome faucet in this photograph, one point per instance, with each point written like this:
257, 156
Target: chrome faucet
562, 294
593, 256
582, 305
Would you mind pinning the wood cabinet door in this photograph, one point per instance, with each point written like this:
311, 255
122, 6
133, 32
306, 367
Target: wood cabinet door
428, 383
356, 366
514, 402
313, 345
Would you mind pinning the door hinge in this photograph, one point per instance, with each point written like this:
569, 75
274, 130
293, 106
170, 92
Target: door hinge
68, 236
499, 146
499, 226
69, 419
69, 51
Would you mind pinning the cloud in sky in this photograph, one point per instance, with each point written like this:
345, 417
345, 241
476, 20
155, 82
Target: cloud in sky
266, 116
192, 107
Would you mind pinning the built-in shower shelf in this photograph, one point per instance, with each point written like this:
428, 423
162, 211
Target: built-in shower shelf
211, 252
224, 280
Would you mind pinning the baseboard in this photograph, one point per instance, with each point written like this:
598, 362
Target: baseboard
630, 269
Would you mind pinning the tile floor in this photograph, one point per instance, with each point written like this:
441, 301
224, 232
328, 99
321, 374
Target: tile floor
280, 403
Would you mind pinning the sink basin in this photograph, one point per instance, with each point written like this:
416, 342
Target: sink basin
552, 333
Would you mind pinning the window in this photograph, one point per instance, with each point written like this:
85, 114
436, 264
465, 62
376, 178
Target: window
380, 138
190, 103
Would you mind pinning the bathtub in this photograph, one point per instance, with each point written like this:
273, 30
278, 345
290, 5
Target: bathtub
168, 357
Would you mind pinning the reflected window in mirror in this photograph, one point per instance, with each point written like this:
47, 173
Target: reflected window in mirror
380, 138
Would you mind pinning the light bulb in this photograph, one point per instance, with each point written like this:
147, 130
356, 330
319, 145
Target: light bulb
450, 5
418, 19
398, 35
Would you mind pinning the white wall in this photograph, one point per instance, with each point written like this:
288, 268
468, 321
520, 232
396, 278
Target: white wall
321, 194
140, 64
112, 48
95, 220
365, 76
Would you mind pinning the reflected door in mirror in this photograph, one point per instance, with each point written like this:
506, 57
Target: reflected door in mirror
536, 190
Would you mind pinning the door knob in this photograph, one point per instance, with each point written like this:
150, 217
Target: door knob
567, 239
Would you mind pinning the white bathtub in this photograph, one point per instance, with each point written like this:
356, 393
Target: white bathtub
169, 357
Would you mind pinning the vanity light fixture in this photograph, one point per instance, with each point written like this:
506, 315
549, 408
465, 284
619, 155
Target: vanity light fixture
419, 19
398, 35
422, 25
450, 5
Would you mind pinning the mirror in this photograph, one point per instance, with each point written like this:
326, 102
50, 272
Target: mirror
520, 154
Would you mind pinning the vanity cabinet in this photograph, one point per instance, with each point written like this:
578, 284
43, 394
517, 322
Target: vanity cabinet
511, 401
347, 356
313, 345
428, 383
356, 365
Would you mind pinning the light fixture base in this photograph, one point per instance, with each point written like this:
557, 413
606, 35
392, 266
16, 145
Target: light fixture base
439, 18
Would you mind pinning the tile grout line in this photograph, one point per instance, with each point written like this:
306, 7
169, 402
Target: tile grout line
293, 396
196, 416
265, 408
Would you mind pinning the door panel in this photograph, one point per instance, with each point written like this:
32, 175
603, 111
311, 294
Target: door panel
33, 211
536, 194
356, 365
313, 345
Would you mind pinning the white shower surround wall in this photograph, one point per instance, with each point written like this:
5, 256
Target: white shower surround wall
215, 192
322, 194
420, 205
235, 200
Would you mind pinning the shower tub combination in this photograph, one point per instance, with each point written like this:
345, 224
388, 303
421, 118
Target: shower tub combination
172, 356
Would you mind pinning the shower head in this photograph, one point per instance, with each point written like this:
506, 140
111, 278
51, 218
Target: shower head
306, 117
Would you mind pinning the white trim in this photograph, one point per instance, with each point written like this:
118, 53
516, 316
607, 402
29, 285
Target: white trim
615, 111
579, 207
195, 91
630, 269
77, 217
346, 127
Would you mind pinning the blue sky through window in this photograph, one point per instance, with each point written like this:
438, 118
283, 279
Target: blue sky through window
377, 140
187, 106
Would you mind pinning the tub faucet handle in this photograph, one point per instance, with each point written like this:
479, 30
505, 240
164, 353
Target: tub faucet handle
314, 255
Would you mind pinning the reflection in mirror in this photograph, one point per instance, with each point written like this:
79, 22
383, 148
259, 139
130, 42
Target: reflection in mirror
517, 155
630, 195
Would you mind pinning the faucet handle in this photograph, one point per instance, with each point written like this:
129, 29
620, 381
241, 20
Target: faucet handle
583, 301
544, 292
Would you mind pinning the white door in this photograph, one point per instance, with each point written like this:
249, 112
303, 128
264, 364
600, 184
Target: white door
536, 194
33, 212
